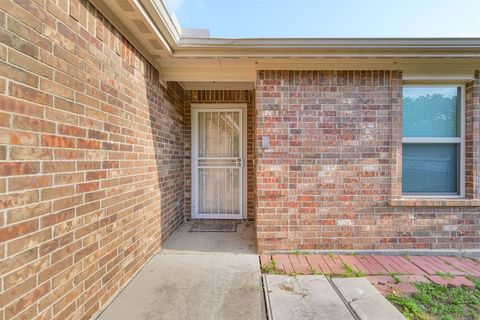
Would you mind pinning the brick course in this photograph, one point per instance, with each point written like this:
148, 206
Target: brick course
331, 177
91, 151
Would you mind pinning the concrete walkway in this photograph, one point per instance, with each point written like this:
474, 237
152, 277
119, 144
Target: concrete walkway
196, 276
303, 297
316, 297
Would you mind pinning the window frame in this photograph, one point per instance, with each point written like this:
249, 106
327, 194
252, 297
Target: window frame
432, 140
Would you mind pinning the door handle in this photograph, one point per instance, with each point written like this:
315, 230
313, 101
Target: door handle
239, 163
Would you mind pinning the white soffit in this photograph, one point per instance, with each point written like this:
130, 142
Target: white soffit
140, 31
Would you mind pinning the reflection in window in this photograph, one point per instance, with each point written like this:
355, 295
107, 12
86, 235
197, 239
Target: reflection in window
432, 140
431, 112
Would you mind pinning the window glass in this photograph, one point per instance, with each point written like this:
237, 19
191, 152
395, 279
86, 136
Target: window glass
430, 168
431, 112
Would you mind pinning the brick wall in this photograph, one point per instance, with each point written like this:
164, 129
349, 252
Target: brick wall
222, 96
327, 180
91, 149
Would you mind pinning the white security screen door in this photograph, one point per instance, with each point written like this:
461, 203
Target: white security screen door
217, 163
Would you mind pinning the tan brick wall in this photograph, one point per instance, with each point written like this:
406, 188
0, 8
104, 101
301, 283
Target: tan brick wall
332, 173
91, 150
221, 96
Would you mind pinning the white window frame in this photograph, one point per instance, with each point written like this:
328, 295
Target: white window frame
431, 140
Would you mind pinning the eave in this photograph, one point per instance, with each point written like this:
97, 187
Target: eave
148, 26
332, 43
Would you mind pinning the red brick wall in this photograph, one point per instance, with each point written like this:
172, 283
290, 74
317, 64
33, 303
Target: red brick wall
91, 149
225, 97
326, 181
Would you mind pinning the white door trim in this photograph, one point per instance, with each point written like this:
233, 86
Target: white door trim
195, 108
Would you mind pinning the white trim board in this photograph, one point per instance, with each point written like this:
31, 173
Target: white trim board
217, 85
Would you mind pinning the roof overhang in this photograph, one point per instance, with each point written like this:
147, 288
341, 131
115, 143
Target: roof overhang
147, 24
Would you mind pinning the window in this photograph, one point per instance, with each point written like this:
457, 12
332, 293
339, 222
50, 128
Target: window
433, 152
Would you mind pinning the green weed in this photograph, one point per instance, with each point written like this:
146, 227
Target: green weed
437, 302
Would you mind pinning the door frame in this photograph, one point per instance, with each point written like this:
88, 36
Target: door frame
195, 108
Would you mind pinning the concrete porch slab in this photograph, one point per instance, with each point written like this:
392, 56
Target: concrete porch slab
365, 300
243, 241
197, 276
315, 297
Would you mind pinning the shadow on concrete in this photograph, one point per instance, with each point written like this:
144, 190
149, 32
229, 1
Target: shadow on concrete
241, 241
197, 275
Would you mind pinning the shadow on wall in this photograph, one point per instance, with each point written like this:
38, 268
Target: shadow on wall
166, 114
92, 151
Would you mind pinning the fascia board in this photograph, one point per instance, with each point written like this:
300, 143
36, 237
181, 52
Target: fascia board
319, 53
159, 14
332, 43
448, 47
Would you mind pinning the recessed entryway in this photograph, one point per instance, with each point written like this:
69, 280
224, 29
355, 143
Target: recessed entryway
197, 275
218, 161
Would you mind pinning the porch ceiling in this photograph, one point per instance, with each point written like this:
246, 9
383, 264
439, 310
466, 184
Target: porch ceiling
147, 24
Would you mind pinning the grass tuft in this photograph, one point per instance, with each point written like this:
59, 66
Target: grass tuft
315, 271
444, 275
331, 254
271, 268
395, 277
405, 255
349, 272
